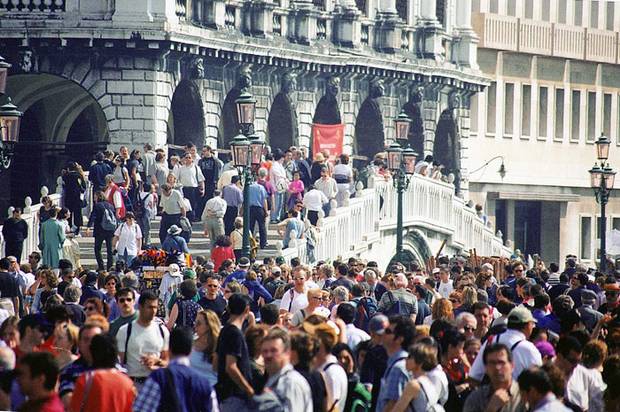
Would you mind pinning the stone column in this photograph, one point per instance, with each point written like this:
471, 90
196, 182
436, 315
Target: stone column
144, 11
430, 116
304, 17
428, 11
465, 50
430, 33
387, 6
348, 28
388, 27
261, 18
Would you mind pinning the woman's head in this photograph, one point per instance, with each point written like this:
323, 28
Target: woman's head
93, 306
238, 223
208, 325
303, 349
296, 175
344, 159
223, 241
111, 283
188, 288
345, 357
442, 309
130, 217
64, 214
66, 336
422, 358
254, 336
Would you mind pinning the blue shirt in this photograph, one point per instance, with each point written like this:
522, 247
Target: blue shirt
258, 195
394, 379
232, 195
238, 275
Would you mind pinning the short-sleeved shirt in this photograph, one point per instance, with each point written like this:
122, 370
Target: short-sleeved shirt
142, 341
120, 321
217, 305
172, 204
394, 380
232, 342
232, 195
258, 195
478, 400
128, 236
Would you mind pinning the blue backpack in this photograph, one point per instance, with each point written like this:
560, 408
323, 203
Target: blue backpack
395, 308
365, 310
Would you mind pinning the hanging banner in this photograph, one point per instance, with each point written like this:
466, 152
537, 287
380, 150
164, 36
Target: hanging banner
328, 137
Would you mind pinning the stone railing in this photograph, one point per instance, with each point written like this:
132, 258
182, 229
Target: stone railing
428, 204
545, 38
31, 216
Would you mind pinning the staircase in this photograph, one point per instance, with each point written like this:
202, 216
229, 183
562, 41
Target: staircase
199, 243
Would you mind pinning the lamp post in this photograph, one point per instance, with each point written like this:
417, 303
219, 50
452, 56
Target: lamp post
10, 119
247, 149
602, 179
402, 165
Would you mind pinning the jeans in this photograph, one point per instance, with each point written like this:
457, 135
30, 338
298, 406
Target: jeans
167, 221
279, 207
192, 194
99, 239
124, 257
145, 226
229, 219
257, 215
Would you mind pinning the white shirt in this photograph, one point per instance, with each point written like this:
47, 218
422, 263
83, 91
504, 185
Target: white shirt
142, 341
215, 207
190, 176
445, 289
128, 236
314, 200
440, 382
585, 388
336, 382
300, 301
225, 178
355, 336
327, 186
150, 204
277, 176
172, 204
524, 354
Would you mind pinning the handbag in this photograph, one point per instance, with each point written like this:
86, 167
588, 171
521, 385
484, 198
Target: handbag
185, 224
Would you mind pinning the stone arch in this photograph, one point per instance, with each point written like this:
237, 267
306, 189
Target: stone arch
415, 249
282, 123
446, 148
369, 133
62, 121
229, 124
186, 120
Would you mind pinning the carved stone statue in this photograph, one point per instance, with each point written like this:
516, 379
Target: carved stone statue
454, 100
327, 111
377, 89
25, 61
198, 69
333, 86
416, 94
288, 84
244, 81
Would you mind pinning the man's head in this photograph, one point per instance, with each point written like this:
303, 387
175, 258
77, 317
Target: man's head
5, 264
126, 300
346, 312
269, 314
534, 384
467, 324
238, 304
497, 360
299, 277
399, 334
518, 270
104, 351
181, 340
37, 374
568, 353
482, 312
34, 258
276, 348
72, 294
85, 337
520, 318
147, 305
377, 326
32, 329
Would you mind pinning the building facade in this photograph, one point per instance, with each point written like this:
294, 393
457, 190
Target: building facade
555, 89
94, 74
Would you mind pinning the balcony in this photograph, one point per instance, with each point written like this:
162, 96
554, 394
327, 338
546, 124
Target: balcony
545, 38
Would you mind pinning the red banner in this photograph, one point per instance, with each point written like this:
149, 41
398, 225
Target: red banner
328, 137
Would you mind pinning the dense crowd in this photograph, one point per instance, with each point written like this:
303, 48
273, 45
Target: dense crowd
232, 333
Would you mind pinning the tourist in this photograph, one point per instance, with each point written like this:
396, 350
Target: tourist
114, 195
259, 211
127, 241
173, 207
343, 174
126, 301
207, 329
193, 182
233, 196
213, 217
51, 240
536, 390
212, 299
277, 177
101, 233
74, 188
98, 171
37, 376
175, 245
14, 232
314, 201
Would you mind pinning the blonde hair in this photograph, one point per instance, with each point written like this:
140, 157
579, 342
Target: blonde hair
442, 309
213, 331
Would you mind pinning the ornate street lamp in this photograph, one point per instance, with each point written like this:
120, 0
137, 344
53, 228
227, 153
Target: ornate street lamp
257, 145
246, 110
402, 123
402, 165
10, 119
4, 73
602, 179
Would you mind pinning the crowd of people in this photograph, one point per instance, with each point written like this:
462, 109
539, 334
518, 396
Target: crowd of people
455, 335
227, 332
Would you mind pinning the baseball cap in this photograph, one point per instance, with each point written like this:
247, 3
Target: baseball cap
377, 324
244, 262
436, 271
520, 314
276, 269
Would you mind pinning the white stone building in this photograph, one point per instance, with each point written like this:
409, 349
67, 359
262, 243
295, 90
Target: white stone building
555, 89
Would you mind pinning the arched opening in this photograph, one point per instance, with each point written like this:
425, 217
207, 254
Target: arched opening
327, 111
186, 122
446, 148
229, 124
282, 123
415, 250
62, 121
369, 136
416, 131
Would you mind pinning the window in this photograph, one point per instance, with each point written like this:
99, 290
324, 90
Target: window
512, 8
615, 223
607, 114
491, 107
591, 131
509, 98
559, 114
562, 11
586, 237
575, 114
493, 6
543, 101
526, 105
609, 25
578, 13
473, 114
475, 6
546, 10
594, 14
529, 9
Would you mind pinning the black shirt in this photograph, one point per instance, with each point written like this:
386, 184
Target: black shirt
14, 230
232, 342
217, 305
76, 313
8, 286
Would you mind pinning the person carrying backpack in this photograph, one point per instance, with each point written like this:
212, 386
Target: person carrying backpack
399, 301
103, 219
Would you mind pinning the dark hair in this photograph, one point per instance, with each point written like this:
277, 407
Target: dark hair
188, 288
237, 303
535, 377
104, 351
479, 306
346, 312
342, 269
125, 291
269, 314
111, 277
306, 347
181, 340
566, 344
404, 328
5, 264
504, 307
554, 267
541, 301
147, 296
235, 179
495, 348
569, 320
223, 241
451, 337
42, 363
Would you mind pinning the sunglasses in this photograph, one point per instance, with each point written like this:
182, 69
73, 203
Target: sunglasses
213, 286
123, 300
389, 331
469, 328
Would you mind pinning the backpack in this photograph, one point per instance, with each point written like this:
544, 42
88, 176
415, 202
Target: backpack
129, 327
108, 221
395, 308
139, 209
358, 397
366, 309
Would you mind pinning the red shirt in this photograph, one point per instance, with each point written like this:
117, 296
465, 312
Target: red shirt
50, 404
220, 254
111, 390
